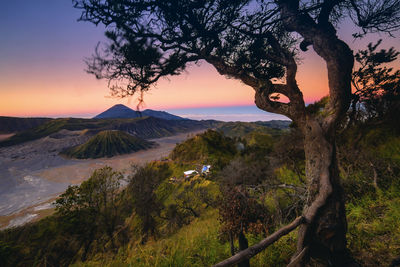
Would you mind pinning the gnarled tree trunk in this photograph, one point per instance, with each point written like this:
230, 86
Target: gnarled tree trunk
323, 236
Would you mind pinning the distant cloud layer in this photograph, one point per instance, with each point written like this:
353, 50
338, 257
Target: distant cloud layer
230, 113
235, 117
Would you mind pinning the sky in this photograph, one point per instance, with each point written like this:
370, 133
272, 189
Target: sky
42, 71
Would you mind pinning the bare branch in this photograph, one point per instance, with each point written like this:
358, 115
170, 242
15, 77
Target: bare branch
224, 69
263, 244
376, 16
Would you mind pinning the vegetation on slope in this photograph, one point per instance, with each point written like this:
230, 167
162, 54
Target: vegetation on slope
370, 167
243, 129
158, 221
14, 124
108, 144
210, 147
145, 127
51, 127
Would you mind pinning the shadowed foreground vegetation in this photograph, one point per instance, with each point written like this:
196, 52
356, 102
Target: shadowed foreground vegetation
163, 219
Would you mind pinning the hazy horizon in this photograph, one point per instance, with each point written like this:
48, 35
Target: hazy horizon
246, 113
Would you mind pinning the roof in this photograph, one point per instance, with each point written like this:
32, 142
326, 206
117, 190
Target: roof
205, 168
189, 172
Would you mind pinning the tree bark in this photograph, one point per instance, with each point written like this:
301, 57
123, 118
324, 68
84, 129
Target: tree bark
324, 233
262, 245
323, 236
243, 244
231, 243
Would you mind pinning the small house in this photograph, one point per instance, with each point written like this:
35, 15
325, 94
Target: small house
190, 173
205, 169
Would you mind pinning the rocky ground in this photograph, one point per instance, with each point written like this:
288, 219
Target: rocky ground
33, 174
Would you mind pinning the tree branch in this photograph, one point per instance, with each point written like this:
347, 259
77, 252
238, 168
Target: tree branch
295, 110
232, 71
326, 10
263, 244
334, 52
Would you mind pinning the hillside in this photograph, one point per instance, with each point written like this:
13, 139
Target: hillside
163, 219
14, 124
150, 127
108, 144
123, 112
210, 147
275, 124
52, 127
244, 129
145, 127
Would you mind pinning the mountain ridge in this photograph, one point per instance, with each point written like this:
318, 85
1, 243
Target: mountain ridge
123, 112
17, 124
144, 127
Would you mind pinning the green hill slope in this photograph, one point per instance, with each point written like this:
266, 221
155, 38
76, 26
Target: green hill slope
210, 147
108, 144
243, 129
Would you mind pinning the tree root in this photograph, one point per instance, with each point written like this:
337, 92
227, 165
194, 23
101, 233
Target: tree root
299, 258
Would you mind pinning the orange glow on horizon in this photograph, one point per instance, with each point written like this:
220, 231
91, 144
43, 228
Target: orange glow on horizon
72, 91
42, 69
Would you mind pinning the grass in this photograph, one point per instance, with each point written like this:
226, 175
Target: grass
195, 244
211, 147
244, 129
374, 227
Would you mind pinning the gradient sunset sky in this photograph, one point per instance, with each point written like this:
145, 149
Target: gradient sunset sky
42, 47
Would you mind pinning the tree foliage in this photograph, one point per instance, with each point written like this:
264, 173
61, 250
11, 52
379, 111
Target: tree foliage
91, 206
377, 86
143, 183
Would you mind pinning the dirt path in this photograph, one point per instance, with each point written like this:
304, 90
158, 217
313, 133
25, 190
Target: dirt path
31, 176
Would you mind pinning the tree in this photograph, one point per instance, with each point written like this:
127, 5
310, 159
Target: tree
91, 206
255, 42
143, 183
240, 213
377, 87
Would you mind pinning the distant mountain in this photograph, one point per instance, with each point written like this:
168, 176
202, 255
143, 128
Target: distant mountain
14, 124
123, 112
118, 111
275, 124
161, 115
108, 144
